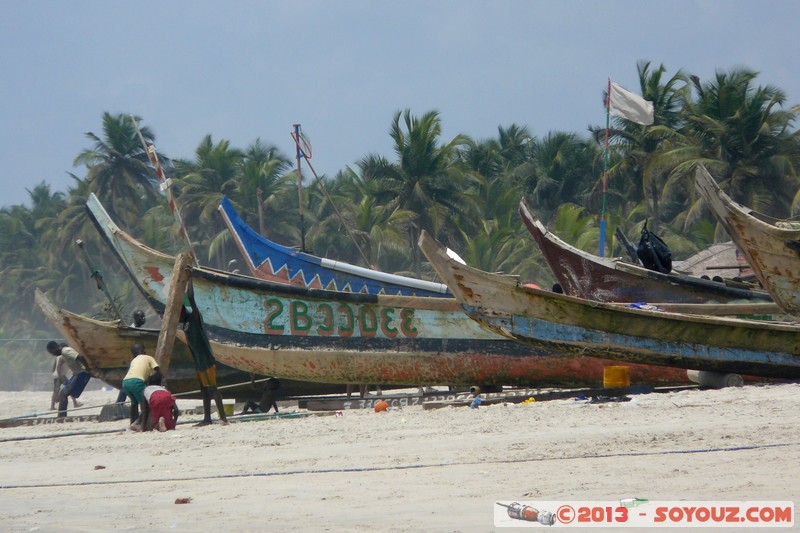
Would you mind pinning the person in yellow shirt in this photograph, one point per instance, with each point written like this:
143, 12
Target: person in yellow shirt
141, 368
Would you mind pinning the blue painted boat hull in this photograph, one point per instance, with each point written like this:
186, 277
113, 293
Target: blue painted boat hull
271, 261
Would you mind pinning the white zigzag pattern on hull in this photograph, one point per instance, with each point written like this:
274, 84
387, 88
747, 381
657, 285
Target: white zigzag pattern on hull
316, 281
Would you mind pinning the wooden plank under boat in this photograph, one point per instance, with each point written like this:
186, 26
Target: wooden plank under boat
773, 252
605, 279
338, 337
106, 346
271, 261
547, 320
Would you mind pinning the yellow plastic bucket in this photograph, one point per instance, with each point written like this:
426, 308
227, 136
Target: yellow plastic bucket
616, 376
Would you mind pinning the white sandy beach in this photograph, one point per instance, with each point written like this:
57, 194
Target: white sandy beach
404, 470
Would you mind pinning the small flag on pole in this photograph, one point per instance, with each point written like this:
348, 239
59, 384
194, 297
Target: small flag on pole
625, 104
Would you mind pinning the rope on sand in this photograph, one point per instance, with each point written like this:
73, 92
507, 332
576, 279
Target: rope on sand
256, 417
67, 434
48, 413
406, 467
179, 395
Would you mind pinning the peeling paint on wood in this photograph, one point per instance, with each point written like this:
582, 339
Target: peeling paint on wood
604, 279
335, 337
552, 321
770, 250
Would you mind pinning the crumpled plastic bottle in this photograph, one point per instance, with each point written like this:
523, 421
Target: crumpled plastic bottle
633, 502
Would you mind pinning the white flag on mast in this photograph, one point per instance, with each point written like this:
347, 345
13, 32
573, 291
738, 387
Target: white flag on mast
625, 104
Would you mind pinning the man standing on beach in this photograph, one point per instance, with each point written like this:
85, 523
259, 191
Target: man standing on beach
59, 378
141, 368
204, 361
75, 384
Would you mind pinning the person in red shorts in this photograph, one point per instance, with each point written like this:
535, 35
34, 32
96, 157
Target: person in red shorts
159, 409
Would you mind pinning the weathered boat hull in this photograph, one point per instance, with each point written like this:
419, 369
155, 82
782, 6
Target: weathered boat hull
611, 280
772, 252
336, 337
271, 261
546, 320
106, 346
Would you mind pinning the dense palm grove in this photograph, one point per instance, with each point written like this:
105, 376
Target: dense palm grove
463, 191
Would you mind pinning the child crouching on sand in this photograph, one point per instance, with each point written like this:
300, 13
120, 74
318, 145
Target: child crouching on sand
160, 411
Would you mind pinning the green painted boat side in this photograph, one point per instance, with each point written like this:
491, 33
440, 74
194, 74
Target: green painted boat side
106, 346
337, 337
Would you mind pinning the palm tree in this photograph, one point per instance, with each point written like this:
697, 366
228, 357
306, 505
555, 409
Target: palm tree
738, 131
118, 168
572, 224
201, 184
43, 202
262, 175
427, 178
489, 248
744, 132
359, 229
560, 169
497, 158
514, 143
38, 251
635, 175
484, 158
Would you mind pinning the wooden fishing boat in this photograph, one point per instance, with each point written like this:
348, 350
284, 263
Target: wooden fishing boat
772, 248
107, 348
604, 279
550, 321
271, 261
338, 337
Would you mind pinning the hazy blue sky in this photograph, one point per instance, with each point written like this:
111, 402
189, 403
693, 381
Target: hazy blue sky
242, 70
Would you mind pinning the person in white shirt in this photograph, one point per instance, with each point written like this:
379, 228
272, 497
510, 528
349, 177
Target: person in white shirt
159, 410
59, 377
79, 368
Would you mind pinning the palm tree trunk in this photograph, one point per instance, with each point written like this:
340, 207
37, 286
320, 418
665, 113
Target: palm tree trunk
414, 233
260, 211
